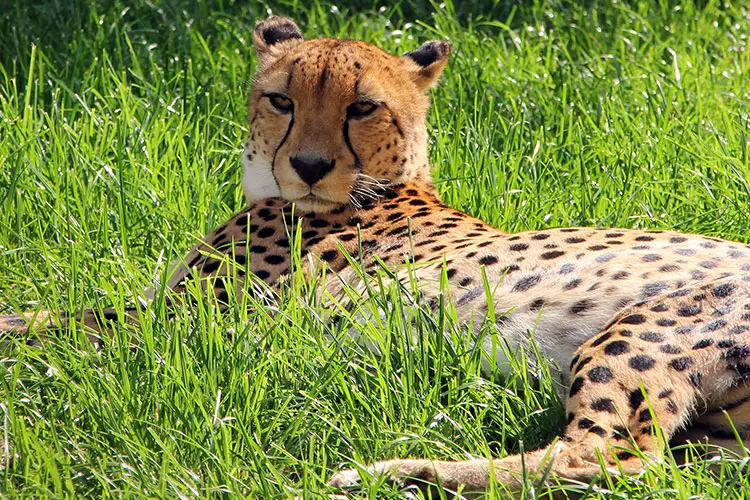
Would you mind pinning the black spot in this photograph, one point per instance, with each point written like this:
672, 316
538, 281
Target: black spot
262, 274
509, 269
633, 319
724, 290
668, 268
620, 275
583, 363
645, 416
696, 379
417, 203
575, 240
616, 348
540, 236
552, 255
644, 238
666, 322
683, 330
651, 337
266, 232
585, 423
737, 352
329, 255
488, 260
652, 257
600, 374
274, 259
571, 417
652, 289
619, 432
738, 329
601, 339
715, 325
681, 364
666, 393
636, 398
688, 310
576, 386
574, 360
670, 349
526, 283
672, 407
465, 281
518, 247
536, 305
606, 257
641, 362
598, 431
572, 284
581, 306
566, 268
596, 248
347, 237
211, 266
603, 404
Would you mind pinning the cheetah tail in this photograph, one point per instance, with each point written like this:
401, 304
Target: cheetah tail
41, 322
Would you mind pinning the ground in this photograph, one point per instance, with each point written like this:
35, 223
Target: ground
121, 130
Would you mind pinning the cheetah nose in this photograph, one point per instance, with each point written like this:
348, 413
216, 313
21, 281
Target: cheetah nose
311, 170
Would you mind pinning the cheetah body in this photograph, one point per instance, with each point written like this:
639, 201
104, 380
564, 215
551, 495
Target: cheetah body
560, 285
337, 153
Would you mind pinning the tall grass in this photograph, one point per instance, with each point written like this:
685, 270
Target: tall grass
120, 133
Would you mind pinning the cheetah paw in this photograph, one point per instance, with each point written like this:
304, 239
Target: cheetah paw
395, 471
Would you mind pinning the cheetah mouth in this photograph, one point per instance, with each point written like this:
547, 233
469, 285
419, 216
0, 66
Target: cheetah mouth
315, 202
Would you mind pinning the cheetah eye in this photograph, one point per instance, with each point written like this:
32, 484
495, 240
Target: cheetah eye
360, 109
280, 102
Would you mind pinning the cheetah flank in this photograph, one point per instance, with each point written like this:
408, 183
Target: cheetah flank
654, 325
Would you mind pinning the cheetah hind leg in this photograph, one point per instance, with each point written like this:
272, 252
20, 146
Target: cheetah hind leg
659, 361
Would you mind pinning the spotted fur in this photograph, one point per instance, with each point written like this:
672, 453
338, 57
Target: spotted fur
653, 325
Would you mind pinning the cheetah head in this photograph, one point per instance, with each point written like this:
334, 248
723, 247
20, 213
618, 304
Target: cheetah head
333, 121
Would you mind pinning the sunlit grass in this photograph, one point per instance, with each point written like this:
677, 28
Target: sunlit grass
120, 133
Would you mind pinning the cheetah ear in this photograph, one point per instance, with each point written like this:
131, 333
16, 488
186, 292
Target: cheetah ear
427, 62
275, 36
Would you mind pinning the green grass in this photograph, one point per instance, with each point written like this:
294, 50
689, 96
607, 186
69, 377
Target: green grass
120, 133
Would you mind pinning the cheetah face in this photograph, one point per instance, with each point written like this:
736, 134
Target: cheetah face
333, 121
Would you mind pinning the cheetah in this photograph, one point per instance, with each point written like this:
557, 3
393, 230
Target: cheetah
653, 325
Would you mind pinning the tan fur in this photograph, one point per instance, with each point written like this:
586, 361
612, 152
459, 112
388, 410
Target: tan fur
640, 317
